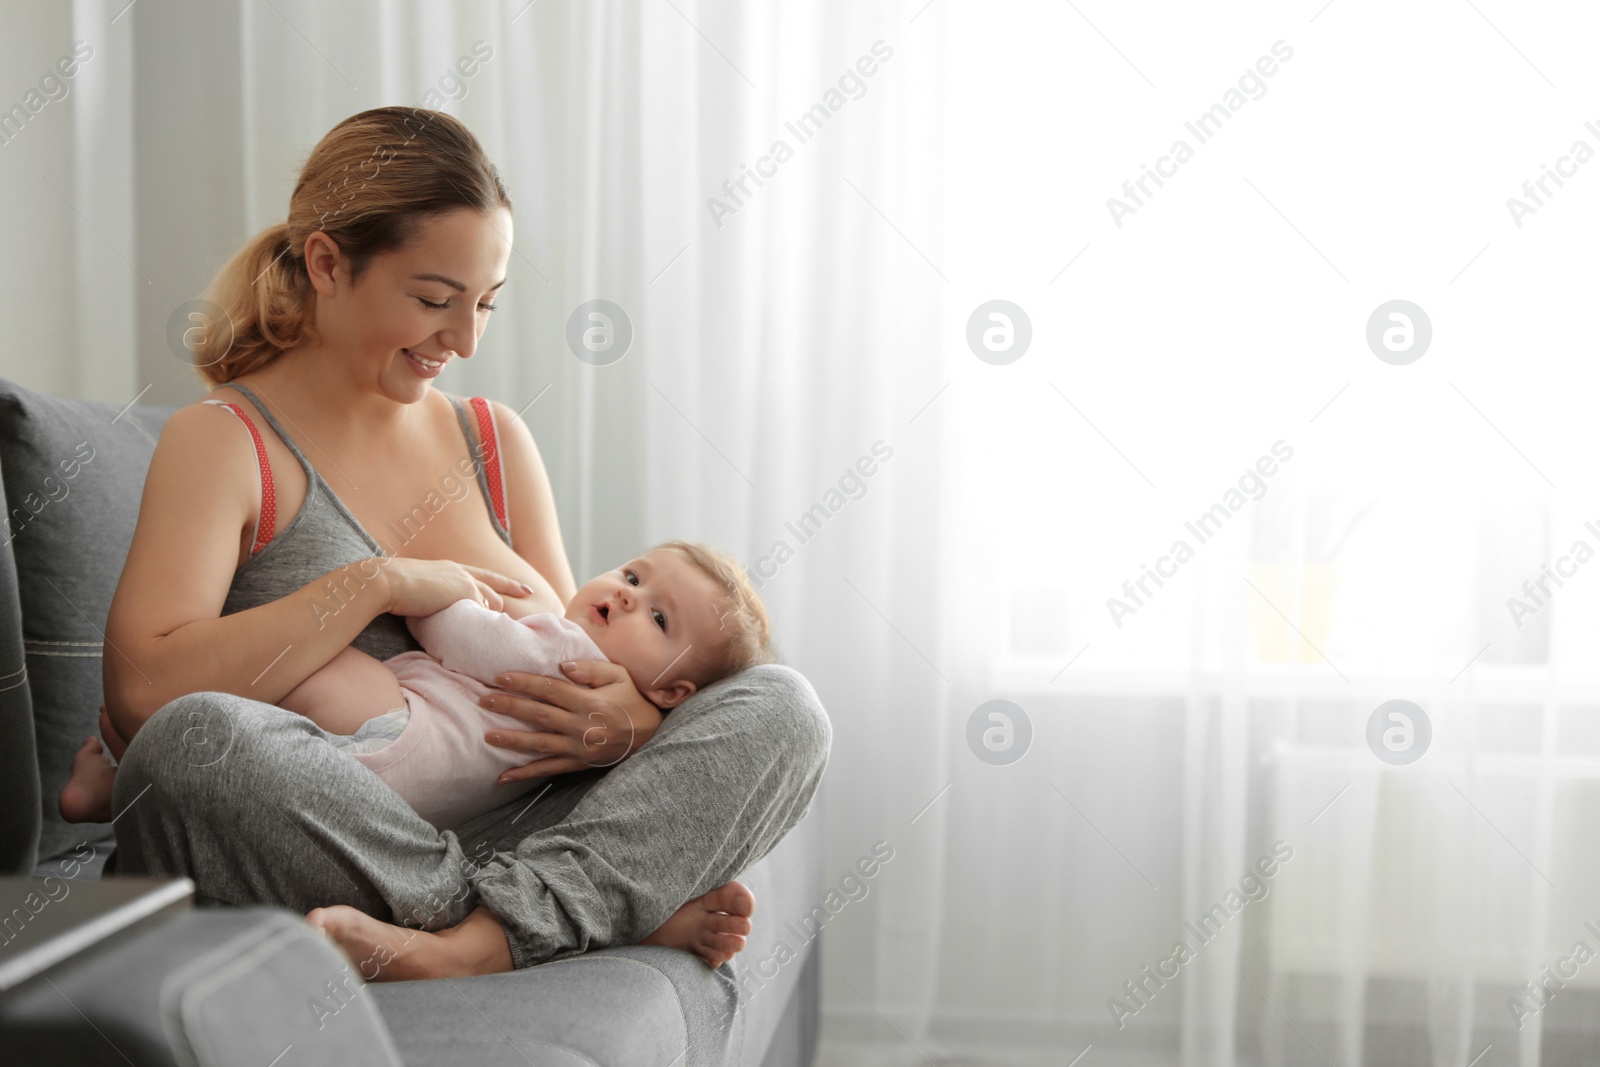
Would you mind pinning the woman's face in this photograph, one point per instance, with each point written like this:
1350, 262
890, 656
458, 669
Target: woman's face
414, 310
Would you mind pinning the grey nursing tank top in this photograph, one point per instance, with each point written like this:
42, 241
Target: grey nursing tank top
321, 536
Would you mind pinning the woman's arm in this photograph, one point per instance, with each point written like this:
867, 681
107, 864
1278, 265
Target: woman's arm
535, 530
165, 636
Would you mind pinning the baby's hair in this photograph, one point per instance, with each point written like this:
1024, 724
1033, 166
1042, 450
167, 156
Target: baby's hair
744, 623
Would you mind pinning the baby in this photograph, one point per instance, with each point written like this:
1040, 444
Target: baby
677, 618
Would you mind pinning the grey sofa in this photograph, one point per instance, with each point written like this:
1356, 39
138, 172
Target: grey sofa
176, 992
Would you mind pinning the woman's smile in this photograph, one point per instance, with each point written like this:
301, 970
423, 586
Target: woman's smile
428, 368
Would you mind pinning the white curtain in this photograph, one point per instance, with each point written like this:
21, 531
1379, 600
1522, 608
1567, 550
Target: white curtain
1175, 743
934, 531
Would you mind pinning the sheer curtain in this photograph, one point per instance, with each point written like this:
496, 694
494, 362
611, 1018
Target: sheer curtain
935, 528
1180, 732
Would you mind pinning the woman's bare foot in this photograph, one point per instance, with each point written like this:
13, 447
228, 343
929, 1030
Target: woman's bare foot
712, 927
87, 795
383, 952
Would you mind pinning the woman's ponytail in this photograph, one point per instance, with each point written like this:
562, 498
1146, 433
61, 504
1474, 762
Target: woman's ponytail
261, 296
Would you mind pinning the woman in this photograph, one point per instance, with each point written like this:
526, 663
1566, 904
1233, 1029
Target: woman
248, 572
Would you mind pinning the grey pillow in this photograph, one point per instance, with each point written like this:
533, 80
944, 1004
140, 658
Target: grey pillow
73, 473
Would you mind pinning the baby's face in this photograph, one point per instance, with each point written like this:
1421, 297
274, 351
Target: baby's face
646, 615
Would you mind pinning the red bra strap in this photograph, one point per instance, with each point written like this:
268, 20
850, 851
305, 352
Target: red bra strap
266, 523
492, 468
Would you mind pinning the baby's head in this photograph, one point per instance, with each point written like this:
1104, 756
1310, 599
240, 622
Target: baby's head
677, 618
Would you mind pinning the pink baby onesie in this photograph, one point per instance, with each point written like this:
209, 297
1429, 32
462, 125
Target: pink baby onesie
440, 764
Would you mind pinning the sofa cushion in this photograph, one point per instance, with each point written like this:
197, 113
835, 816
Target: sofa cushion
639, 1005
73, 472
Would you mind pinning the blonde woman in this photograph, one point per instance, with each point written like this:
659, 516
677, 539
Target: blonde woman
307, 505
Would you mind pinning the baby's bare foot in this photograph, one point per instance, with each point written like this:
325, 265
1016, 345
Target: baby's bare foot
713, 927
87, 795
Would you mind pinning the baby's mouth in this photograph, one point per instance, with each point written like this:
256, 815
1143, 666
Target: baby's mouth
603, 612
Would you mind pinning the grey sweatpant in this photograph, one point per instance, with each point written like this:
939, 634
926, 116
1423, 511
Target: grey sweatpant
257, 807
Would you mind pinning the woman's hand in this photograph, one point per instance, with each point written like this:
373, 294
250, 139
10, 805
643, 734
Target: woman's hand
577, 727
424, 586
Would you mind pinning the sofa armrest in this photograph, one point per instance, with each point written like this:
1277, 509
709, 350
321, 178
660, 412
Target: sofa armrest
206, 986
73, 474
